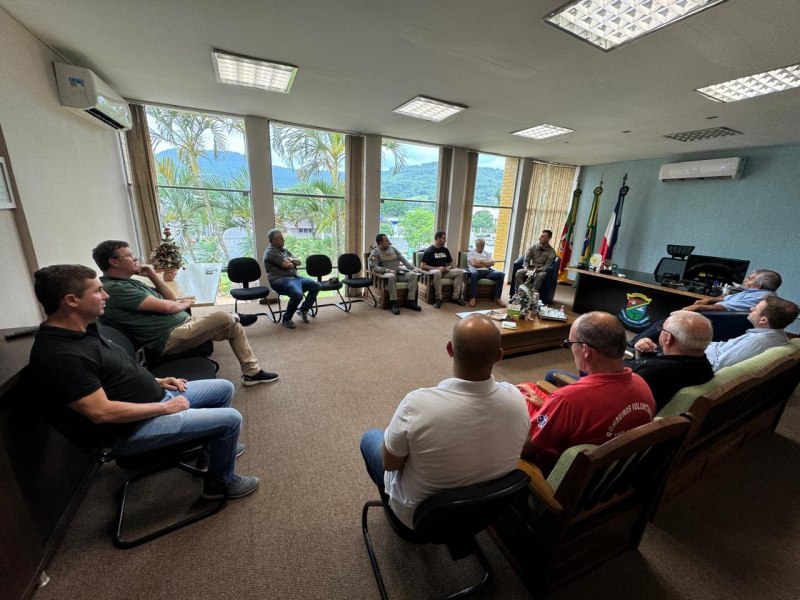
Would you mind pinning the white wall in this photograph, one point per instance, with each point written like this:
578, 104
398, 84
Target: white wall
68, 171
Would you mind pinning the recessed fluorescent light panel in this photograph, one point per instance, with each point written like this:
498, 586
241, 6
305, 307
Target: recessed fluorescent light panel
253, 72
543, 131
702, 134
611, 23
428, 109
751, 86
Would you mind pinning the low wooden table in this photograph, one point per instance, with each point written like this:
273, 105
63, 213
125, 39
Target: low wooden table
531, 335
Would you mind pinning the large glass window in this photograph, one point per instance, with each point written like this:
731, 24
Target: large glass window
409, 173
493, 203
308, 182
203, 183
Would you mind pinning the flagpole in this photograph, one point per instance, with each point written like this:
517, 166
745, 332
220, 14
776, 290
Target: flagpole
591, 227
612, 231
565, 244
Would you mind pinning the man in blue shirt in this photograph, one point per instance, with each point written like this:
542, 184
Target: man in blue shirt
757, 286
769, 317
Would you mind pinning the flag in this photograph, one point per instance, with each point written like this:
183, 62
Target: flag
612, 231
565, 245
591, 227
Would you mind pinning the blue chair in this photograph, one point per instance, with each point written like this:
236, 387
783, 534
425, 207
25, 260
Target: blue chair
548, 290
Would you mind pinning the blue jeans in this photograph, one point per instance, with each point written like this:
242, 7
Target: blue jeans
209, 413
371, 443
496, 276
294, 288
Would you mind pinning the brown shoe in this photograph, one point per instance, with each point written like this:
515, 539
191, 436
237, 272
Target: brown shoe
499, 302
472, 301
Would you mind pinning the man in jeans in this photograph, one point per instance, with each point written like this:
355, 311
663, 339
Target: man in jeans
480, 267
96, 387
281, 266
436, 260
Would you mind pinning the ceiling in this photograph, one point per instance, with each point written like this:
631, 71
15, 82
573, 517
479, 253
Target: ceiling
359, 59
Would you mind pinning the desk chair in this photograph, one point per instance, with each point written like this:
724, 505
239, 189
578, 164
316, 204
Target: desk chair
244, 270
453, 517
319, 266
349, 265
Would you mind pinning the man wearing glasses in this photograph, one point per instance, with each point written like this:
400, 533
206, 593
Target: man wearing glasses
677, 361
161, 322
604, 404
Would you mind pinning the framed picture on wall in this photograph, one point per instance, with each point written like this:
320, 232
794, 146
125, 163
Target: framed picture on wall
6, 193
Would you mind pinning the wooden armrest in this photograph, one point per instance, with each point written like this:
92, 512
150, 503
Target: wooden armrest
563, 379
539, 486
546, 386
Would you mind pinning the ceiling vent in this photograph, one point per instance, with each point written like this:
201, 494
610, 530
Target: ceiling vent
702, 134
717, 168
82, 90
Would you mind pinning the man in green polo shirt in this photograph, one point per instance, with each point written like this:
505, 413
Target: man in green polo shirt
161, 322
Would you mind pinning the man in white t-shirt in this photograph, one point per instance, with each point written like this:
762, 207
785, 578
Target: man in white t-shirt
466, 430
481, 266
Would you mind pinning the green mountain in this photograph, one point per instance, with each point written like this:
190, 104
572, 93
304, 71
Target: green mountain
414, 181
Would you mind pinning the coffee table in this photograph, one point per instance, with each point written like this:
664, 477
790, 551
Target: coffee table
531, 335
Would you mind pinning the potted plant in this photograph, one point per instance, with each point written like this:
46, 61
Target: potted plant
166, 257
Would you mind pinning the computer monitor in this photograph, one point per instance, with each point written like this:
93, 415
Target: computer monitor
669, 268
715, 268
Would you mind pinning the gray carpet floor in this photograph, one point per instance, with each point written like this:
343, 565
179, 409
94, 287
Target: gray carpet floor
735, 535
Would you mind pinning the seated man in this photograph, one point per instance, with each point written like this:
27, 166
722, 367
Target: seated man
604, 404
281, 266
158, 320
436, 260
91, 382
388, 262
480, 267
756, 286
769, 317
677, 361
468, 429
537, 259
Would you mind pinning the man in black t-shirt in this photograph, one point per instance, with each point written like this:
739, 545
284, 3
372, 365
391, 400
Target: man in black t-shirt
94, 387
436, 260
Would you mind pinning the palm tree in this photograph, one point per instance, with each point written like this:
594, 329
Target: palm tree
190, 133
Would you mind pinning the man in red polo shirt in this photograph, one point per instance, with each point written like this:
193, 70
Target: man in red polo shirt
604, 404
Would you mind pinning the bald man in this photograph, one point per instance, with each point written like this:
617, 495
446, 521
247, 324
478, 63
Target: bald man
466, 430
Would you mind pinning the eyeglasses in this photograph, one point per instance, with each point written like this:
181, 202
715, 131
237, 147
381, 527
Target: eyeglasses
568, 343
131, 256
660, 328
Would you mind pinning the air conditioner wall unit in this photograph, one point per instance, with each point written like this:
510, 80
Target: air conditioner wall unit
716, 168
82, 90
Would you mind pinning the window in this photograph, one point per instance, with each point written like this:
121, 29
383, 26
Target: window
203, 183
308, 184
492, 204
409, 174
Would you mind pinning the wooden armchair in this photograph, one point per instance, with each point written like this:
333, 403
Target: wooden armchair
426, 291
486, 287
380, 288
594, 505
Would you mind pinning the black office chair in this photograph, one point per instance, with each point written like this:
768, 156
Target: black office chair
244, 270
319, 266
349, 266
453, 517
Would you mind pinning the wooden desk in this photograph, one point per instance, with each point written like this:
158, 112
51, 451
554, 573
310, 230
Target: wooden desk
531, 335
636, 299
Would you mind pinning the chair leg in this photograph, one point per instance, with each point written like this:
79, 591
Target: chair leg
123, 544
484, 580
370, 550
476, 549
343, 305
